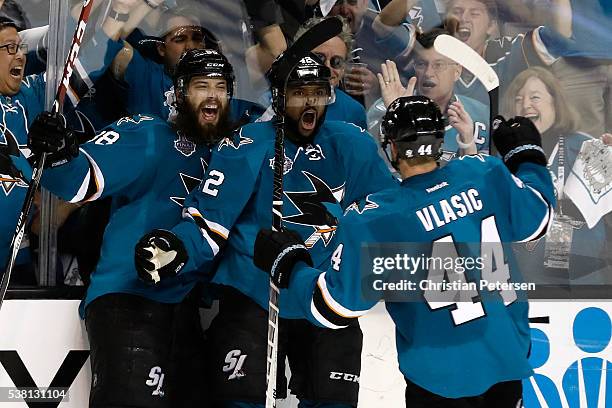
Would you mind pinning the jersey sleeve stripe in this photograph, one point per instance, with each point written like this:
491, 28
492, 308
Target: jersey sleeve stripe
544, 223
215, 236
93, 183
323, 313
336, 307
317, 315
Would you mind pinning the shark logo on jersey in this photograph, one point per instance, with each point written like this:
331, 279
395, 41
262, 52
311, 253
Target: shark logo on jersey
170, 102
361, 206
313, 212
416, 15
133, 119
185, 146
229, 142
190, 183
10, 146
87, 131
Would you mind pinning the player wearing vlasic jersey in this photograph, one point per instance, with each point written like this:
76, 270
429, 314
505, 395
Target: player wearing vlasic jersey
456, 348
327, 166
144, 330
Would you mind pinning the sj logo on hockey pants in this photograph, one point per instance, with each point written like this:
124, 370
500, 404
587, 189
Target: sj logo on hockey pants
64, 377
234, 361
156, 379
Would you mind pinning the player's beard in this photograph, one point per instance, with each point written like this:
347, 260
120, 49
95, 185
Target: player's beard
187, 121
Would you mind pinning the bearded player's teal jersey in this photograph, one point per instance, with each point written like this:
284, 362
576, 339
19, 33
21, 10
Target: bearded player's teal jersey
453, 349
148, 169
234, 201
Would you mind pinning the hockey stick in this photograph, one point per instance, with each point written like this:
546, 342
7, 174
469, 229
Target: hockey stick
40, 163
465, 56
325, 30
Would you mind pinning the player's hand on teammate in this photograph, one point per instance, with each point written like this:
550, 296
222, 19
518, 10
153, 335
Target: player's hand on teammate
159, 255
518, 141
49, 134
390, 83
278, 252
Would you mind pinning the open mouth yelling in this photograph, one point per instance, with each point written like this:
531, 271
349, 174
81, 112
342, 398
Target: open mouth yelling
308, 120
210, 112
16, 72
428, 84
463, 34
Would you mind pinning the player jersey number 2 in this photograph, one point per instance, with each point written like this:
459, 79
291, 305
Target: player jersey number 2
214, 180
464, 304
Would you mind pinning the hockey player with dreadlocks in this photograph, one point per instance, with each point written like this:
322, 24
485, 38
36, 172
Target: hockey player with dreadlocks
327, 166
456, 348
144, 338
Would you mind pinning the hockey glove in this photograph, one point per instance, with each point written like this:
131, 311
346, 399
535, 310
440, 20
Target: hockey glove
278, 252
158, 255
49, 134
518, 141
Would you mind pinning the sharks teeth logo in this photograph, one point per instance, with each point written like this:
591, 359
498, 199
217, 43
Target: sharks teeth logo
361, 206
312, 210
229, 142
136, 119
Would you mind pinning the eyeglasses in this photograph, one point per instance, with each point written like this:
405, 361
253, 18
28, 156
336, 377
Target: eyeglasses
336, 61
12, 48
437, 66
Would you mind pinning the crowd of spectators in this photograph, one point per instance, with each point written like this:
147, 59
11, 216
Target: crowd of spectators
553, 58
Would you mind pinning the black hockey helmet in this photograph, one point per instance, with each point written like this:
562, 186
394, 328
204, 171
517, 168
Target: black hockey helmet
416, 125
309, 70
210, 63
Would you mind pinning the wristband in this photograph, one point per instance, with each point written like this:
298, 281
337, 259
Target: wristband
121, 17
464, 145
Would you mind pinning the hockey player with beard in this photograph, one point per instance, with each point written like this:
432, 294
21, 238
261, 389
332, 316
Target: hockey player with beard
456, 347
327, 166
144, 338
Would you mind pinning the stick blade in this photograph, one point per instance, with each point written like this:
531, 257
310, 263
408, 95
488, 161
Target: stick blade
465, 56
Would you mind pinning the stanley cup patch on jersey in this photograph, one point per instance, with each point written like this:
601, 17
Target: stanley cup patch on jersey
312, 210
287, 165
185, 146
